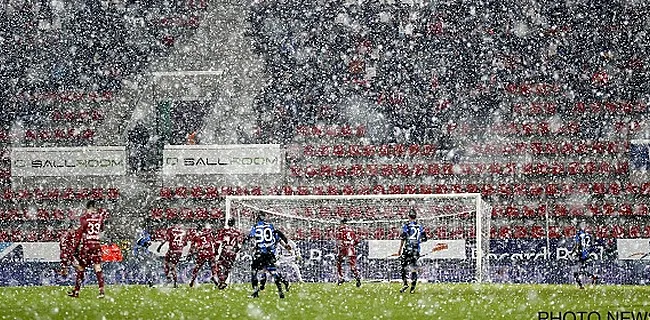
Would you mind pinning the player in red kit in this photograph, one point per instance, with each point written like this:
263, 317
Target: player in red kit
204, 247
66, 249
346, 241
176, 237
88, 248
229, 242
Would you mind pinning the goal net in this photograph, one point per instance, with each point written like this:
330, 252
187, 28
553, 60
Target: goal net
457, 226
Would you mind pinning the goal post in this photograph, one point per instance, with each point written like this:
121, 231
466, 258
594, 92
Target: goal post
457, 225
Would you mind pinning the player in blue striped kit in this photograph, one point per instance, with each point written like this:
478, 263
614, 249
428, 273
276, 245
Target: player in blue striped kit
143, 259
582, 253
266, 239
409, 250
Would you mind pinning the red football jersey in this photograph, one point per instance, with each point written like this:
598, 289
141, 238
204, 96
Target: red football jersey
176, 238
346, 240
230, 239
203, 243
66, 243
91, 226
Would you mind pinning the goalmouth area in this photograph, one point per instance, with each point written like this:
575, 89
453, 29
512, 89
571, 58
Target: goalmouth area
328, 301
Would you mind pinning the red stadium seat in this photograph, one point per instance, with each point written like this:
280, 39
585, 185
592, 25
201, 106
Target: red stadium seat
426, 189
171, 213
441, 188
186, 214
378, 189
497, 211
603, 231
528, 211
568, 231
618, 232
333, 190
201, 213
82, 194
165, 193
256, 191
512, 212
196, 192
216, 213
457, 188
156, 213
551, 189
574, 168
537, 232
7, 195
68, 194
181, 192
599, 188
535, 190
641, 210
520, 232
113, 193
625, 209
410, 189
631, 188
520, 189
395, 189
403, 170
363, 189
386, 170
634, 232
505, 232
304, 190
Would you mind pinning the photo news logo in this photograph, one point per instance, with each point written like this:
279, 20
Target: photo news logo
593, 315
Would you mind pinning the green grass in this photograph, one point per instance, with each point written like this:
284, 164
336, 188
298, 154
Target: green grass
322, 301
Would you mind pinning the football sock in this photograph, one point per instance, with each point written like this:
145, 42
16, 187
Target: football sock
79, 280
100, 281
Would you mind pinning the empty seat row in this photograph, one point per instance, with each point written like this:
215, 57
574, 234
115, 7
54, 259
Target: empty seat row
536, 89
580, 108
186, 213
445, 169
536, 128
54, 194
42, 214
570, 210
207, 192
77, 115
487, 189
552, 148
555, 232
17, 235
341, 150
60, 134
331, 131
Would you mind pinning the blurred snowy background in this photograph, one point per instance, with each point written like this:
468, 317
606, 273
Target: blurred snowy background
535, 104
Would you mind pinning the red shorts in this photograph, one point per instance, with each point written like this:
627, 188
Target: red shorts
173, 257
203, 258
347, 252
90, 256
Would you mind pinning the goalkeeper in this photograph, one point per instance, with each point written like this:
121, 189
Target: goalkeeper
288, 258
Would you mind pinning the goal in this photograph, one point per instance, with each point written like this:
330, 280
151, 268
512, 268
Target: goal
457, 225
